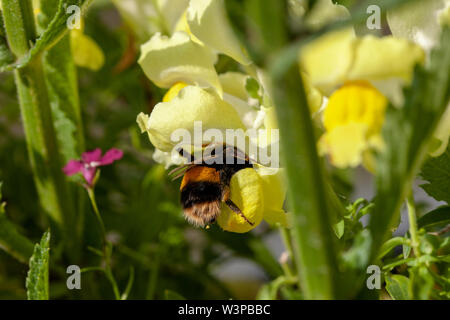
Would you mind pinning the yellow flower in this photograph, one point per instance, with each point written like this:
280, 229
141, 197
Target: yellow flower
85, 51
359, 75
353, 120
258, 192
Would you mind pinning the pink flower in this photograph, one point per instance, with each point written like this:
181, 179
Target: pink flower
89, 162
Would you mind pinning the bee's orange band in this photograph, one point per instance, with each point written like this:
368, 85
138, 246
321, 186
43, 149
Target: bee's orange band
200, 173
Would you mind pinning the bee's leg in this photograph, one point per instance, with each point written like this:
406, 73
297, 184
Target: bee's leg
232, 205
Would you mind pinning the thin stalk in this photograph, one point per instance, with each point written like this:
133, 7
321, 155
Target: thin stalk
413, 224
106, 246
91, 195
286, 237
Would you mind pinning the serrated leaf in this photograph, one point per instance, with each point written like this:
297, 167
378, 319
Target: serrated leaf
37, 278
437, 217
398, 287
436, 172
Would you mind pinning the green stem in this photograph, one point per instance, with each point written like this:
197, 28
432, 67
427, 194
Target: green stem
413, 224
286, 237
35, 107
312, 234
107, 250
91, 194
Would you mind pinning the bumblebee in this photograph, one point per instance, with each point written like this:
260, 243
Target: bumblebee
206, 183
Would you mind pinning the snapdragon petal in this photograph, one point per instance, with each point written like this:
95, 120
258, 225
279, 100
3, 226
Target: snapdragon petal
325, 12
353, 119
234, 83
247, 194
394, 58
167, 61
208, 22
86, 52
192, 104
327, 60
339, 56
417, 21
345, 144
274, 193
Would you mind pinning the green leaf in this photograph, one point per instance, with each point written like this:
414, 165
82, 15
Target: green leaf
126, 293
422, 283
37, 278
436, 172
10, 239
435, 218
398, 287
399, 163
6, 56
61, 78
172, 295
270, 290
55, 31
339, 228
391, 244
357, 257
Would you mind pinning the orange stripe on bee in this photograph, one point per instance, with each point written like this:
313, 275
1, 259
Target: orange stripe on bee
200, 174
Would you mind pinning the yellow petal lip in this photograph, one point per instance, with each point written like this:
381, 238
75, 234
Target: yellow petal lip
345, 144
192, 104
247, 193
356, 101
86, 52
173, 91
352, 119
208, 22
168, 60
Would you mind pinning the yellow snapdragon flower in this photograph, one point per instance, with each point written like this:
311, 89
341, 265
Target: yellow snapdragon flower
357, 74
